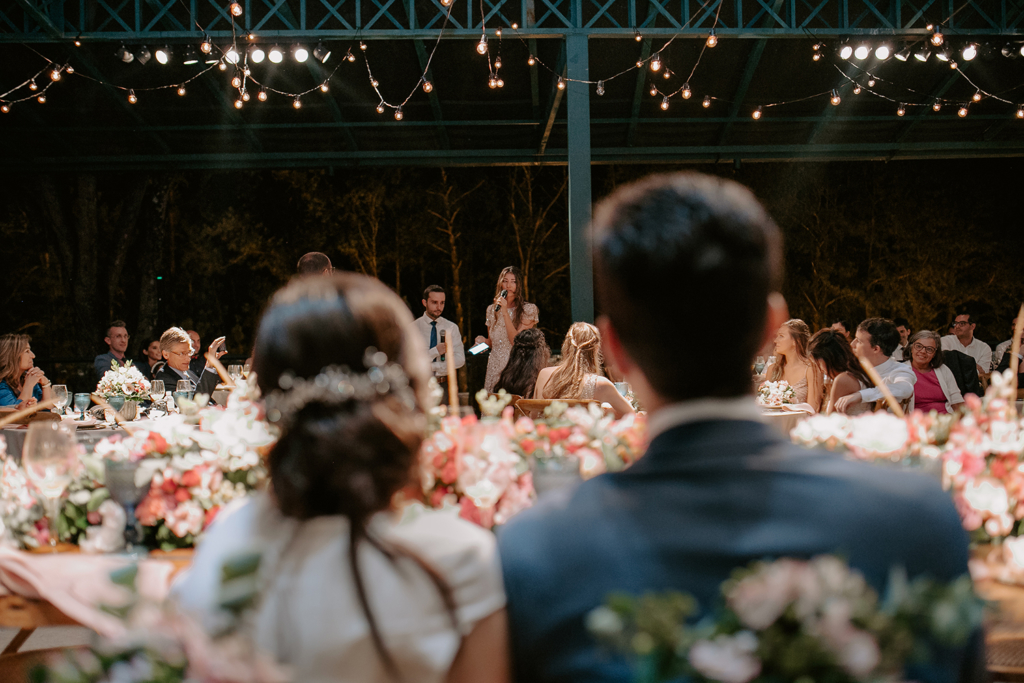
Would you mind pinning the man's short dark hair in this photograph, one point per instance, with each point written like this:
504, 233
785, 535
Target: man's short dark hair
313, 263
901, 322
844, 323
964, 310
431, 289
882, 332
116, 323
671, 252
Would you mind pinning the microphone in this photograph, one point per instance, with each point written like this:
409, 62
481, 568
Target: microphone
442, 341
504, 295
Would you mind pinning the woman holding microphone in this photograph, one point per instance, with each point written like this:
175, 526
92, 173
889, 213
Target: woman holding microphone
507, 316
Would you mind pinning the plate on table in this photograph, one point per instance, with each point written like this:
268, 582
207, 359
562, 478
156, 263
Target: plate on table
89, 421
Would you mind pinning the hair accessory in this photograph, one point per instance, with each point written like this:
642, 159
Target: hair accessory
337, 384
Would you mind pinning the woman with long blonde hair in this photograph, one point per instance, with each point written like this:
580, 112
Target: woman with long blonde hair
579, 376
794, 364
21, 383
507, 316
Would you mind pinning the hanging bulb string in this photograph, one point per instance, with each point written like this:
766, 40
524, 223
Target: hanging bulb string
29, 80
930, 99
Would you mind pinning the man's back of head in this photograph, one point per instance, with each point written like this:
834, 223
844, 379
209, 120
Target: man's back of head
314, 263
685, 263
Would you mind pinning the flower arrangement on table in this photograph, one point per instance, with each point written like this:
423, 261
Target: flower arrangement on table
22, 521
124, 380
483, 466
791, 620
776, 394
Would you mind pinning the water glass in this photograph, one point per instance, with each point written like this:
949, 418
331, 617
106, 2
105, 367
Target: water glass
759, 365
179, 396
60, 394
622, 388
49, 458
235, 372
125, 490
185, 386
246, 369
82, 402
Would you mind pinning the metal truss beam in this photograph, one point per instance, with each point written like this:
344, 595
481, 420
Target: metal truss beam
173, 21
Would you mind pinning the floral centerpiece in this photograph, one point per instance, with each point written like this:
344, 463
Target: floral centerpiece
776, 394
792, 620
22, 521
124, 380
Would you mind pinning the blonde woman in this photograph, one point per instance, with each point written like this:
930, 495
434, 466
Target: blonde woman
21, 383
507, 316
578, 376
795, 365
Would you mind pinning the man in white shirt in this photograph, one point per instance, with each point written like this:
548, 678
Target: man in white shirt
1003, 347
903, 327
430, 325
963, 340
875, 341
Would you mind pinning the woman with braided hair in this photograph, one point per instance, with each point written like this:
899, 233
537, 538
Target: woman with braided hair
347, 591
579, 376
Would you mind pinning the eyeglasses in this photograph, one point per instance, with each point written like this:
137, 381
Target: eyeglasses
961, 323
179, 353
918, 346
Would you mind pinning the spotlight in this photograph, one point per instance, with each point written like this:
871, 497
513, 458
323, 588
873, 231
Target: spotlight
845, 51
922, 54
256, 54
191, 56
862, 52
969, 52
231, 54
321, 53
904, 54
883, 52
943, 54
300, 53
1022, 50
1010, 51
712, 39
937, 37
275, 55
144, 55
164, 54
124, 54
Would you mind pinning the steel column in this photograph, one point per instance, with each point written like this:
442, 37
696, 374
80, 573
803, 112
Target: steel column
581, 266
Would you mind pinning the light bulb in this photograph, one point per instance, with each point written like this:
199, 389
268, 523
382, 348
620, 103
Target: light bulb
32, 85
952, 65
531, 61
492, 82
362, 46
5, 108
712, 39
262, 96
236, 9
636, 36
501, 83
236, 82
902, 110
239, 103
937, 37
446, 3
245, 70
428, 86
970, 52
883, 52
70, 69
297, 103
664, 103
856, 90
276, 55
481, 47
222, 66
251, 37
497, 62
707, 101
845, 51
515, 26
55, 75
181, 91
42, 99
757, 114
131, 97
871, 83
497, 32
380, 108
324, 87
561, 83
374, 82
231, 55
300, 53
835, 100
862, 52
686, 91
78, 43
656, 62
976, 96
349, 56
816, 56
1020, 113
206, 47
398, 114
654, 90
600, 87
962, 112
937, 106
639, 63
666, 74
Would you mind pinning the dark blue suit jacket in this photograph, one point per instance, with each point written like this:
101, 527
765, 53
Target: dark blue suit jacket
706, 498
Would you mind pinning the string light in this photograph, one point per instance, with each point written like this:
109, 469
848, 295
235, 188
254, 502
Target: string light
324, 87
654, 90
262, 96
686, 91
181, 91
239, 103
380, 108
816, 56
206, 47
757, 114
937, 106
428, 86
362, 45
501, 83
481, 47
497, 62
707, 101
297, 103
32, 85
78, 43
937, 37
976, 96
962, 112
349, 56
664, 103
1020, 112
276, 55
639, 63
666, 74
636, 35
41, 99
515, 26
236, 9
871, 83
55, 75
5, 108
561, 83
952, 65
70, 69
131, 97
600, 87
493, 82
712, 39
656, 62
902, 110
531, 61
251, 36
835, 97
497, 32
856, 90
374, 82
236, 82
222, 66
398, 114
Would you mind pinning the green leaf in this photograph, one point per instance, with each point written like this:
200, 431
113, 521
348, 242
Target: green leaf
98, 496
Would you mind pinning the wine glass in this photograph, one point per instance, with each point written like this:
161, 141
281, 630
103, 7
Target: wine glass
759, 365
49, 458
60, 394
125, 491
82, 401
246, 369
156, 391
235, 372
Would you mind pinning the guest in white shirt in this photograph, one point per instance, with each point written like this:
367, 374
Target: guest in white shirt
1003, 347
430, 325
903, 327
875, 341
963, 340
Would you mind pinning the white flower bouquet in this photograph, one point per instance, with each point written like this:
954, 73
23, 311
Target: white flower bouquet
124, 380
776, 394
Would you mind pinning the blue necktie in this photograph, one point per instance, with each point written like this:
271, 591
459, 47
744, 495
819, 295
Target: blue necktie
433, 334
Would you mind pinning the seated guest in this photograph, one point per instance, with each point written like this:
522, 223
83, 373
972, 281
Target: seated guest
842, 327
21, 383
794, 365
152, 360
875, 341
1004, 362
835, 359
964, 341
348, 591
965, 372
578, 376
117, 344
903, 327
176, 347
936, 387
716, 489
1003, 347
529, 355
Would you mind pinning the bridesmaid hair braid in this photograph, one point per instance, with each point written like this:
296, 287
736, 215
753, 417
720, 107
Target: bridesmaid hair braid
581, 356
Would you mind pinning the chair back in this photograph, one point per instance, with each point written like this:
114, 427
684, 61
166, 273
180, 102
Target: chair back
534, 407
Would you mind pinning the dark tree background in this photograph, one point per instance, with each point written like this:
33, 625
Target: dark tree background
206, 250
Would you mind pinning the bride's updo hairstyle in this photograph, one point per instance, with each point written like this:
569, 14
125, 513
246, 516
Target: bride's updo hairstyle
349, 444
581, 356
